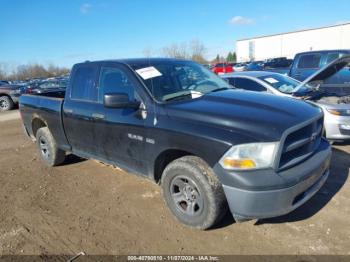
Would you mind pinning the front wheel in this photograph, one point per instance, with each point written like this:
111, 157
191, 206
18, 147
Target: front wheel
48, 149
193, 193
6, 103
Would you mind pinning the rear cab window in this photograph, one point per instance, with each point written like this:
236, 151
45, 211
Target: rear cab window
309, 61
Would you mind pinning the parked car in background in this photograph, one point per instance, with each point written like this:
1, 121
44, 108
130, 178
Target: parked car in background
209, 66
307, 63
9, 95
45, 86
279, 65
4, 82
254, 81
208, 146
222, 68
239, 67
254, 66
334, 99
278, 62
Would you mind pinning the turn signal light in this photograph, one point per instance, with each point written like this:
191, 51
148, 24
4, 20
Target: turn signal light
239, 163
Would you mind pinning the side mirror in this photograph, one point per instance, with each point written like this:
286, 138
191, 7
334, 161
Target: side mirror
119, 100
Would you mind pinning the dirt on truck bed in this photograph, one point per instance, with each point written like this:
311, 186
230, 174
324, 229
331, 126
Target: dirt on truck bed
86, 206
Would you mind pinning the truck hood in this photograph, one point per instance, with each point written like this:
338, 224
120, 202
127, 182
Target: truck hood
261, 116
326, 72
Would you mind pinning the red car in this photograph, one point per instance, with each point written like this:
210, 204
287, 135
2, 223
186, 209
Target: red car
222, 68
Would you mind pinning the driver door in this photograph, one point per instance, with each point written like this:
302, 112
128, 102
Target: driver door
120, 132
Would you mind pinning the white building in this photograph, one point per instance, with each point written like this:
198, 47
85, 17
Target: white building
288, 44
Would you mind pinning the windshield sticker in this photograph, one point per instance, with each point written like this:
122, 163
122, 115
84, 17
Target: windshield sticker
148, 72
271, 80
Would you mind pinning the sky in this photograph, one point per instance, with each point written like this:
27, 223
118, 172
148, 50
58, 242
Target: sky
64, 32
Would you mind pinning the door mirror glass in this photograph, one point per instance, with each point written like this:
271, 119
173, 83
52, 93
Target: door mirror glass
119, 100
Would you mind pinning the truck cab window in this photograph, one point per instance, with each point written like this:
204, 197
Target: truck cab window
309, 61
333, 56
114, 80
84, 86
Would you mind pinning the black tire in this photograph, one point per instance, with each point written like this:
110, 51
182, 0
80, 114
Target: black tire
6, 103
48, 149
193, 192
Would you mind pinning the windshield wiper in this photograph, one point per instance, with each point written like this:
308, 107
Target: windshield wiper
220, 89
179, 96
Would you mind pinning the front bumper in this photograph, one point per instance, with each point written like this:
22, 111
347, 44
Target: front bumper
274, 193
337, 127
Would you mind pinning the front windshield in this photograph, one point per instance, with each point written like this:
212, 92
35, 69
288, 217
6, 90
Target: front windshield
282, 83
175, 80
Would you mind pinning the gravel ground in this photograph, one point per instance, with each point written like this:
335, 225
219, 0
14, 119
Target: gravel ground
86, 206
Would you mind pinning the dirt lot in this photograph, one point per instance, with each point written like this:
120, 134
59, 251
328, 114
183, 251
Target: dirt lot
86, 206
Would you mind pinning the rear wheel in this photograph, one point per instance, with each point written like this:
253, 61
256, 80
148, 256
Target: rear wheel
6, 103
193, 193
48, 149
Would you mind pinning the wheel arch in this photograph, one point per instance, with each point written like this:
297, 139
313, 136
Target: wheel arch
4, 94
37, 123
164, 158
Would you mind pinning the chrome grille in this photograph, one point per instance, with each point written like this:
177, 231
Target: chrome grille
301, 143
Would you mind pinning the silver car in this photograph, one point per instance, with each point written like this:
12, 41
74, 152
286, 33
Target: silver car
334, 99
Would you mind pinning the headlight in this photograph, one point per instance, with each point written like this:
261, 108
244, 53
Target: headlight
249, 156
339, 112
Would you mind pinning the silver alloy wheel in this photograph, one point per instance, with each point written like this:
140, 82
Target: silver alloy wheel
4, 104
186, 196
44, 147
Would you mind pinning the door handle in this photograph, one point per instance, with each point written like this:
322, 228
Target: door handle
68, 111
98, 116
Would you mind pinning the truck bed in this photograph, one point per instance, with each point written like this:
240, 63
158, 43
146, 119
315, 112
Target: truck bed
46, 107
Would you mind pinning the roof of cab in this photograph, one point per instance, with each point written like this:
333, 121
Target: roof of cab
325, 51
136, 61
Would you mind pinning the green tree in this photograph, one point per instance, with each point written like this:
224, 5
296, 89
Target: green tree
234, 57
229, 57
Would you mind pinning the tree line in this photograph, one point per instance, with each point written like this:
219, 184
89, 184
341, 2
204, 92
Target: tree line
194, 50
30, 71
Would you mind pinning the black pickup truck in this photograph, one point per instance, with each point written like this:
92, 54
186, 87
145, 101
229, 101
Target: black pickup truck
208, 145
